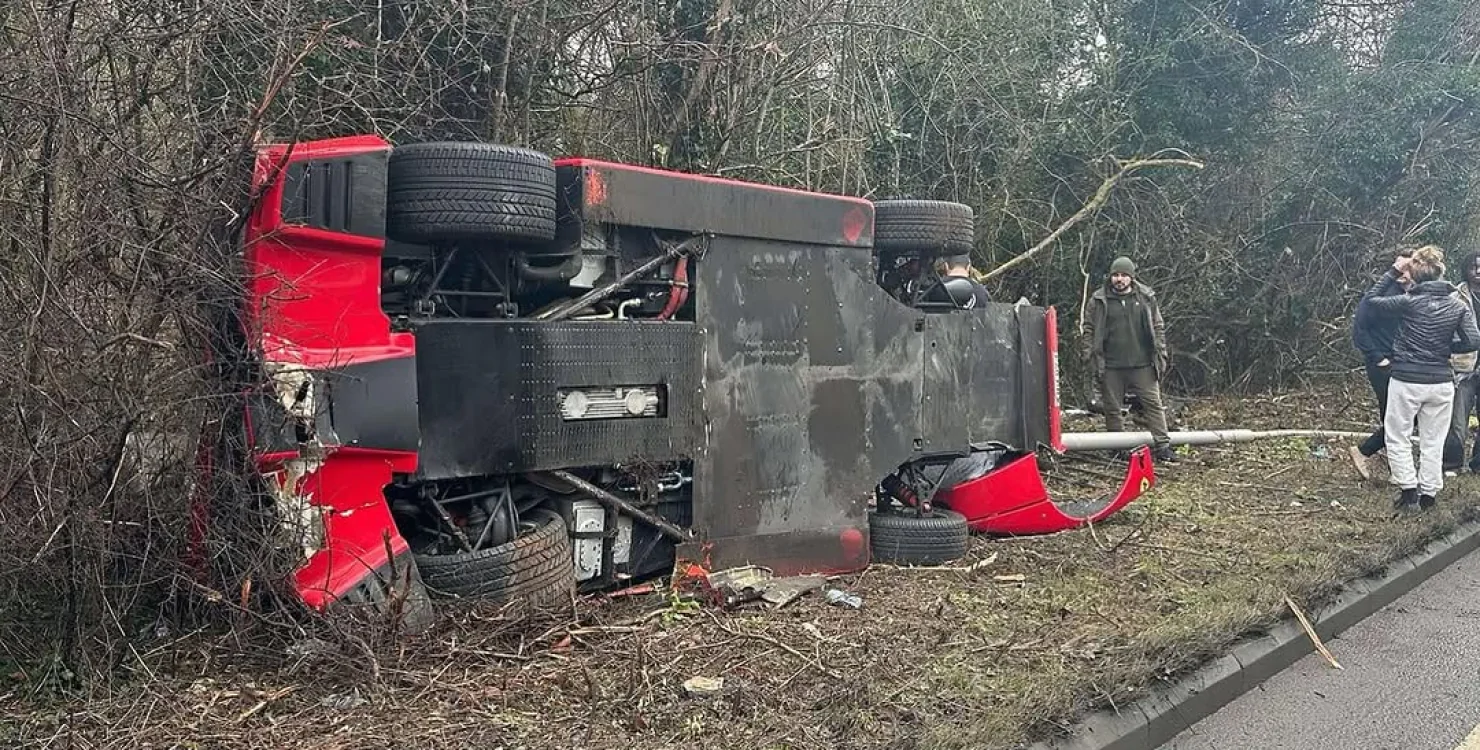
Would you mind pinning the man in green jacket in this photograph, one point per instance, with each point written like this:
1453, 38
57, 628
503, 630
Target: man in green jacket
1126, 346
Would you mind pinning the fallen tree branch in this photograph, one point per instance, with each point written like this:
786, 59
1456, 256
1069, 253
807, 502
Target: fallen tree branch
778, 644
1089, 208
1311, 631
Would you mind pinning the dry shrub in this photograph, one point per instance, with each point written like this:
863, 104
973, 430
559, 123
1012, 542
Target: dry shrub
124, 157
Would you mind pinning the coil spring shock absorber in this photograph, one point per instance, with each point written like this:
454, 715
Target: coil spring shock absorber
897, 489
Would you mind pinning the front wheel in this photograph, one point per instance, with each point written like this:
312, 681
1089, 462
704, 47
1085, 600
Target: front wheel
917, 226
937, 537
459, 192
536, 568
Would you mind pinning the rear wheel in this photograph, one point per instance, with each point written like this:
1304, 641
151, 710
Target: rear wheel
451, 192
904, 538
915, 226
536, 568
395, 591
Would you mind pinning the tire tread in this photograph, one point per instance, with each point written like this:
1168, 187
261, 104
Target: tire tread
938, 538
450, 191
924, 226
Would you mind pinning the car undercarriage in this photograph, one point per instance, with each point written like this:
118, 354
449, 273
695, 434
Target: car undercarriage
489, 374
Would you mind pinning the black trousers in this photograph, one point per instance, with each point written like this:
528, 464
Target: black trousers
1466, 391
1116, 382
1378, 378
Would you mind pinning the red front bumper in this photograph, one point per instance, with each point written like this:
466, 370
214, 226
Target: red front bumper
313, 311
1013, 501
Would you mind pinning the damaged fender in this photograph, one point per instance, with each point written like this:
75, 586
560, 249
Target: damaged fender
1012, 500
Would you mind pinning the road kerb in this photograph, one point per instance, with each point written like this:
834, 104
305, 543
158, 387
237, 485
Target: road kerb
1171, 709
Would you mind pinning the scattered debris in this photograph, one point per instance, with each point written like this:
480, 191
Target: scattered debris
735, 586
1014, 578
1310, 631
311, 647
341, 701
645, 588
840, 598
784, 591
704, 687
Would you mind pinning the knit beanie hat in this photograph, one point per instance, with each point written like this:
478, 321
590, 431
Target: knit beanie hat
1123, 265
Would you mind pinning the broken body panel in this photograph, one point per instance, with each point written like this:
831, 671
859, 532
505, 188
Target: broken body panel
339, 419
1011, 500
798, 385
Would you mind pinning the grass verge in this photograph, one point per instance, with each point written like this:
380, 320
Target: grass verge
979, 656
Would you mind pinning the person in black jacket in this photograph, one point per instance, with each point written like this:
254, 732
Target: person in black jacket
1433, 324
956, 287
1373, 336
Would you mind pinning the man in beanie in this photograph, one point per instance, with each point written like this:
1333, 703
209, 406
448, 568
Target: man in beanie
956, 286
1126, 346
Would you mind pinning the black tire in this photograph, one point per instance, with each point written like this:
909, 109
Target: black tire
537, 568
451, 192
906, 539
924, 226
394, 591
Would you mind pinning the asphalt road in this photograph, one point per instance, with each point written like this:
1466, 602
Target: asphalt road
1411, 682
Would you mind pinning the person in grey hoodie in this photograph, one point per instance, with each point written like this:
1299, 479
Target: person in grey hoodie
1434, 324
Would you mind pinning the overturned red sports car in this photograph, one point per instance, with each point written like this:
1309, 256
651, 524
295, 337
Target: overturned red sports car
507, 377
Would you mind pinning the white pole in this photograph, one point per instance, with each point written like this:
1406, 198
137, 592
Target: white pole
1109, 441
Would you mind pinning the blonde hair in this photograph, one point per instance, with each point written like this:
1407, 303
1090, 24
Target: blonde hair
1427, 264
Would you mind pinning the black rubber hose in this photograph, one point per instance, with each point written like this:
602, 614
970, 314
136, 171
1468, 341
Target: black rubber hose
563, 272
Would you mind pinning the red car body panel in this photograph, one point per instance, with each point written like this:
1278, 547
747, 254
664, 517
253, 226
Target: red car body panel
313, 302
1012, 500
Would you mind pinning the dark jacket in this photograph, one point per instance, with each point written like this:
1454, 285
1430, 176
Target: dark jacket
1434, 324
1463, 364
1151, 326
964, 292
1373, 334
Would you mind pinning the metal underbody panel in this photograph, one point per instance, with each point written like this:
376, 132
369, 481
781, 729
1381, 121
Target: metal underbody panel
818, 384
492, 392
799, 386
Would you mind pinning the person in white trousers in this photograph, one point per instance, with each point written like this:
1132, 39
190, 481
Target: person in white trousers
1433, 325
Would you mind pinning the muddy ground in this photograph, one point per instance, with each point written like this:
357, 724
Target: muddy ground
1006, 645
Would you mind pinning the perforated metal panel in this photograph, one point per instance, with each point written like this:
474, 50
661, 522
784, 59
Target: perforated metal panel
490, 393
